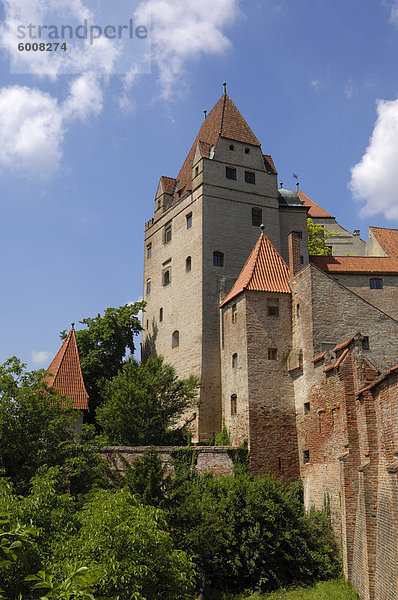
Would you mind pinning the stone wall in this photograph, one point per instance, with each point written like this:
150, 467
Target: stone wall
208, 458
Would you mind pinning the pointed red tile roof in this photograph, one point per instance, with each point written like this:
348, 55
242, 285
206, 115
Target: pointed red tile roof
66, 373
315, 211
264, 271
388, 240
224, 120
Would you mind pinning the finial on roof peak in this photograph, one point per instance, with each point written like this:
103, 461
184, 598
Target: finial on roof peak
281, 184
205, 112
73, 325
262, 227
298, 185
225, 87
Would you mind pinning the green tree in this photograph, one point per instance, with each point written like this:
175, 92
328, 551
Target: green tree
103, 346
317, 236
34, 420
143, 402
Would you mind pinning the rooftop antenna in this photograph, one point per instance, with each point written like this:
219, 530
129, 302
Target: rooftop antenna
262, 227
225, 87
73, 325
205, 111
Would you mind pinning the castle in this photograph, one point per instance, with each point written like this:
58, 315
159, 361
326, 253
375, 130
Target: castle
297, 354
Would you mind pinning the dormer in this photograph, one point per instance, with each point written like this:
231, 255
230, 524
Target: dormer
164, 195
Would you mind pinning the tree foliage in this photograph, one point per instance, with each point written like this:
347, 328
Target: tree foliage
317, 239
103, 345
143, 402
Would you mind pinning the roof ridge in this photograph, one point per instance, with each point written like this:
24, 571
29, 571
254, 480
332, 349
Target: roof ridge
223, 112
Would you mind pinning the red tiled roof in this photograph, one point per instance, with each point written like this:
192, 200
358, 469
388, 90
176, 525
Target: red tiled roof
388, 240
264, 271
379, 379
355, 264
337, 363
66, 373
269, 163
319, 357
344, 344
315, 211
224, 120
169, 184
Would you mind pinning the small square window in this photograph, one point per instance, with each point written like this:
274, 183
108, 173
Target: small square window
166, 277
149, 251
189, 221
250, 178
376, 284
273, 311
247, 150
167, 233
272, 354
232, 147
230, 173
307, 408
234, 404
257, 217
218, 259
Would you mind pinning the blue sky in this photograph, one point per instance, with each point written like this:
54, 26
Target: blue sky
81, 155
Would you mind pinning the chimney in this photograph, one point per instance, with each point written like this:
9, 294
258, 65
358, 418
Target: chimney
294, 252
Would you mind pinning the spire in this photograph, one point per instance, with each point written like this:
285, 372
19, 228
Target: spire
264, 271
66, 373
224, 120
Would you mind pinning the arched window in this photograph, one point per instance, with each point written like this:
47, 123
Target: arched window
218, 259
175, 339
234, 360
234, 404
148, 286
188, 263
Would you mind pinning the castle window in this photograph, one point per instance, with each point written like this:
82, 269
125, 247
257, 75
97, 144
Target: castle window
166, 276
232, 147
167, 233
147, 324
234, 313
279, 463
247, 150
376, 284
273, 307
218, 259
211, 152
175, 339
148, 286
301, 260
149, 251
159, 204
188, 263
196, 171
250, 178
307, 408
272, 354
234, 360
257, 217
179, 193
189, 220
230, 173
234, 404
365, 343
297, 310
160, 314
306, 456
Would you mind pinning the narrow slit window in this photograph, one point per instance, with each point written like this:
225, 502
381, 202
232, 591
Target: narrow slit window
234, 360
149, 250
234, 404
188, 263
148, 286
234, 313
189, 221
161, 314
167, 233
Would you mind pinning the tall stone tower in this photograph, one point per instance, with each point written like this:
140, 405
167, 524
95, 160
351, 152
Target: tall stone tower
205, 224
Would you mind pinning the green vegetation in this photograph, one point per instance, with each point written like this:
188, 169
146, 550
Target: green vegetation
317, 236
336, 589
70, 528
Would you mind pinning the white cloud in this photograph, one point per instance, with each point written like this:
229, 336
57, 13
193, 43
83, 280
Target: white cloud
85, 98
316, 84
41, 357
392, 6
349, 89
184, 30
374, 180
31, 130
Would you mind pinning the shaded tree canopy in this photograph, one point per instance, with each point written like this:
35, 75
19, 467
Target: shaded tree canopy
317, 239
